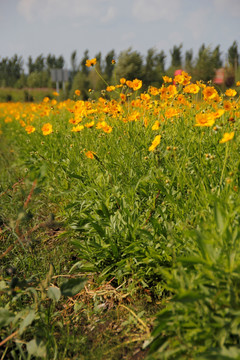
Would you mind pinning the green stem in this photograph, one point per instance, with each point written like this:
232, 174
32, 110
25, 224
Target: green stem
101, 76
223, 169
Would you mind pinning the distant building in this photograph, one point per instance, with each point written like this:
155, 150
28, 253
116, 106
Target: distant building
219, 76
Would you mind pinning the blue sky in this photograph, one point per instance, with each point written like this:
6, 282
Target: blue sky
34, 27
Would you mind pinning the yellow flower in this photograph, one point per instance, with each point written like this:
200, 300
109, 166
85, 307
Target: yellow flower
77, 128
136, 84
171, 112
110, 88
129, 83
107, 129
227, 137
167, 79
230, 92
191, 89
238, 83
8, 119
156, 125
219, 113
123, 97
30, 129
122, 81
89, 154
90, 125
205, 119
155, 143
227, 105
153, 90
46, 99
22, 123
210, 93
77, 92
55, 93
47, 129
91, 62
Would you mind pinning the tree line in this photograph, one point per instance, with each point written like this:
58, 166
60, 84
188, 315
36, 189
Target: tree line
129, 64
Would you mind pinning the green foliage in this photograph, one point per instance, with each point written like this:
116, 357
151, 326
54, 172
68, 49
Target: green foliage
30, 307
154, 68
80, 82
206, 63
24, 95
233, 55
129, 65
176, 56
202, 319
38, 79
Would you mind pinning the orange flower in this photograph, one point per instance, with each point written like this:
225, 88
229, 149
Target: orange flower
110, 88
219, 113
227, 137
123, 97
89, 154
47, 129
77, 128
46, 99
205, 119
55, 93
156, 125
90, 125
77, 92
122, 81
53, 102
153, 90
129, 83
227, 105
230, 92
167, 79
30, 129
210, 93
136, 84
91, 62
169, 113
191, 89
107, 129
155, 143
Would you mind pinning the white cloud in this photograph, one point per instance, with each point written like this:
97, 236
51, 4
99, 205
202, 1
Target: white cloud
26, 8
109, 15
197, 23
72, 9
231, 7
154, 10
128, 36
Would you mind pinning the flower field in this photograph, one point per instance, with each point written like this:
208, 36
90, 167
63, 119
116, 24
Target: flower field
136, 190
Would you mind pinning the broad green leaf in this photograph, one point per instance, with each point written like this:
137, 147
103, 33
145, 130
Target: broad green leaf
36, 347
219, 218
6, 317
54, 293
72, 286
27, 321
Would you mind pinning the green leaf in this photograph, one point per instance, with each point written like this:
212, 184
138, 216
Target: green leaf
6, 317
72, 286
188, 296
27, 321
36, 347
54, 293
219, 218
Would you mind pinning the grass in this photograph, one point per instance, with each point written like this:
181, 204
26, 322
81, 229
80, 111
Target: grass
113, 251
